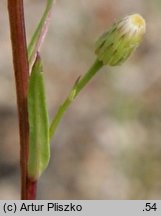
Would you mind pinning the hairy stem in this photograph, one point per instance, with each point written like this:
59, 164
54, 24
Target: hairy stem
21, 70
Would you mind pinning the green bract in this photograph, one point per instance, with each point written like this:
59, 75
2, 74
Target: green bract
115, 45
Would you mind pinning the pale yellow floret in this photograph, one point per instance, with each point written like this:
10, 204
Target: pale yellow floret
137, 20
117, 44
133, 25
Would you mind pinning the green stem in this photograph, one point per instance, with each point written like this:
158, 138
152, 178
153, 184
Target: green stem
78, 86
39, 33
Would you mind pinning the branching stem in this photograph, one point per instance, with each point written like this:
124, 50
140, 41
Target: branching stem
78, 86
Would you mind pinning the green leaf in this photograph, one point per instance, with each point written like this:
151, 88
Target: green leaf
39, 149
40, 33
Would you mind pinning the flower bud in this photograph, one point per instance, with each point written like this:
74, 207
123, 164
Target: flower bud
115, 45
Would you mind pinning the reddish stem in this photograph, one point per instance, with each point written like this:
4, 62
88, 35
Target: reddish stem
21, 69
31, 189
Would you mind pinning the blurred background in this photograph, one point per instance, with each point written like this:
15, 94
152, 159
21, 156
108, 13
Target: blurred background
108, 145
